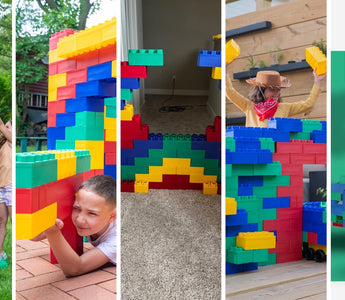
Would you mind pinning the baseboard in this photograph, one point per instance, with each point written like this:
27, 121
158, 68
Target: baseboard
176, 92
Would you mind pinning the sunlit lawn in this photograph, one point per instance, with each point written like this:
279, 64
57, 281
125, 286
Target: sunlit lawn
6, 274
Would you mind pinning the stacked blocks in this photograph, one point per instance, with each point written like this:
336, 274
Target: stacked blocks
82, 94
315, 223
163, 161
316, 59
82, 119
264, 174
211, 59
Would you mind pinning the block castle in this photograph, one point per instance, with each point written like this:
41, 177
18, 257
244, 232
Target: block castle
165, 161
81, 119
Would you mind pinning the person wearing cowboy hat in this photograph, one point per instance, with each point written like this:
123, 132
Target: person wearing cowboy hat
264, 102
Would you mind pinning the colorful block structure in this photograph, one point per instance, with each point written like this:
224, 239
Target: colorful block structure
316, 59
81, 119
264, 189
164, 161
315, 230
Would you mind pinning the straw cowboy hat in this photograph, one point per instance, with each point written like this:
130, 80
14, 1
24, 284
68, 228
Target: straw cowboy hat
270, 79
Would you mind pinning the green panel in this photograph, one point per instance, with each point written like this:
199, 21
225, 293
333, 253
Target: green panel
272, 260
280, 180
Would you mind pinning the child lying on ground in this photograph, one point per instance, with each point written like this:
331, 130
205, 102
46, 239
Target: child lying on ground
94, 216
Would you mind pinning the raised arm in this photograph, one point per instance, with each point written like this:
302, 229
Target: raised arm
6, 130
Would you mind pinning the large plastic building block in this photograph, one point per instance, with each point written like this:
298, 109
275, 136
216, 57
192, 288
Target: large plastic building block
210, 188
141, 186
77, 76
30, 225
100, 71
96, 149
209, 59
256, 240
87, 40
316, 59
56, 81
133, 71
54, 38
95, 104
216, 73
285, 124
232, 50
145, 57
97, 88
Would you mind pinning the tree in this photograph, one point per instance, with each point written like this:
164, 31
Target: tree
37, 20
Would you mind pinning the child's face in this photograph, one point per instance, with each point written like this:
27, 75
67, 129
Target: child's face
91, 215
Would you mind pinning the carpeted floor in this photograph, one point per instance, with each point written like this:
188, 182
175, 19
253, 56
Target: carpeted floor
193, 119
170, 245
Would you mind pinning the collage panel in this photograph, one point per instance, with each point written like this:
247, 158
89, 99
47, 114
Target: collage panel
66, 245
6, 134
171, 150
276, 160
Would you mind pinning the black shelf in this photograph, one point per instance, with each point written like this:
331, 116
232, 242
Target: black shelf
248, 29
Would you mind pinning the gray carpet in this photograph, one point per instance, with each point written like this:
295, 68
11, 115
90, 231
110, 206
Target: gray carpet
170, 245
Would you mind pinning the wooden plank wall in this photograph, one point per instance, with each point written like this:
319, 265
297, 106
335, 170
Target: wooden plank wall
295, 26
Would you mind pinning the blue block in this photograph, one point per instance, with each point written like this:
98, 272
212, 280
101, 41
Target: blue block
265, 156
252, 180
65, 119
318, 136
127, 157
101, 71
123, 104
235, 230
97, 88
241, 157
155, 141
209, 58
130, 83
247, 143
276, 202
233, 268
286, 124
276, 135
338, 187
110, 170
53, 134
245, 132
245, 190
95, 104
241, 218
337, 209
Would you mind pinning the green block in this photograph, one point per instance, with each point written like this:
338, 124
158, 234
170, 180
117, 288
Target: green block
311, 125
280, 180
324, 216
230, 143
197, 158
84, 133
230, 192
110, 102
126, 94
237, 255
110, 112
250, 203
305, 236
268, 214
145, 57
272, 260
83, 161
274, 168
302, 136
267, 143
336, 196
142, 162
230, 242
155, 157
34, 169
65, 144
264, 192
89, 119
243, 170
127, 172
260, 255
228, 170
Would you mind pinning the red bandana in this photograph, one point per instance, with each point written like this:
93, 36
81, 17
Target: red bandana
266, 109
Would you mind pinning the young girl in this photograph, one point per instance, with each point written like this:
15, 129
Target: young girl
264, 102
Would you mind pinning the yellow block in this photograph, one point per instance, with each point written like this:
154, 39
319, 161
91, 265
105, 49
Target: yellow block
52, 95
53, 56
141, 187
232, 50
256, 240
127, 113
109, 123
217, 73
30, 225
56, 81
230, 206
156, 173
113, 69
110, 135
316, 59
96, 150
210, 188
66, 163
88, 40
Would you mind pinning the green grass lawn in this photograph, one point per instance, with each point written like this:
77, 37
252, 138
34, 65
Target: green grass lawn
30, 148
6, 274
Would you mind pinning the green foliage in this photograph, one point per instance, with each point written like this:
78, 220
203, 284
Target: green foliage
5, 97
322, 192
5, 35
321, 45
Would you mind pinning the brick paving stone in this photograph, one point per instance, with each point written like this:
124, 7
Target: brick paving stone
31, 253
46, 292
40, 280
110, 269
30, 245
84, 280
93, 292
37, 266
19, 296
109, 285
22, 274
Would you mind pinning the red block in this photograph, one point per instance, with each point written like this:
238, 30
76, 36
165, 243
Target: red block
312, 147
88, 59
212, 135
66, 92
337, 224
321, 159
292, 169
57, 106
156, 185
78, 76
217, 123
289, 147
107, 54
133, 71
303, 158
219, 190
54, 39
287, 191
109, 147
53, 69
127, 186
110, 158
283, 158
296, 181
67, 65
51, 122
169, 182
312, 237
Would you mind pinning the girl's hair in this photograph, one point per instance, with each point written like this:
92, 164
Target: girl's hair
257, 96
102, 185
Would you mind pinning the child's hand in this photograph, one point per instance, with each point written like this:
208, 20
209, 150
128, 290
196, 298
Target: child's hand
318, 78
58, 226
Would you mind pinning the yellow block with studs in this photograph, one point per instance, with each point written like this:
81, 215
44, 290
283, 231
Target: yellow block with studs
232, 50
256, 240
316, 59
230, 206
